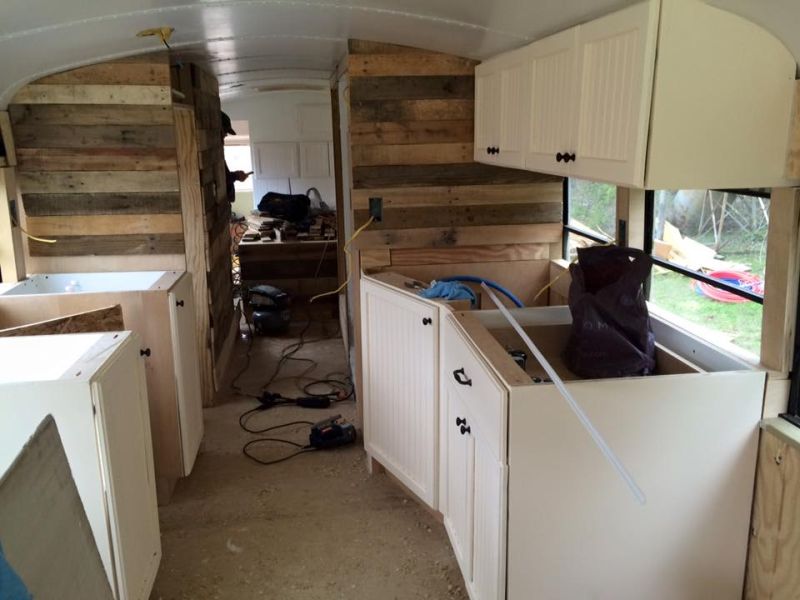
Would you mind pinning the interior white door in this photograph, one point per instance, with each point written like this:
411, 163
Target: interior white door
460, 448
119, 393
489, 554
400, 337
187, 372
552, 102
617, 62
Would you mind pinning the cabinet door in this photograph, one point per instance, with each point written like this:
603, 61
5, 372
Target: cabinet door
487, 111
502, 86
617, 61
400, 338
187, 371
489, 555
552, 102
460, 448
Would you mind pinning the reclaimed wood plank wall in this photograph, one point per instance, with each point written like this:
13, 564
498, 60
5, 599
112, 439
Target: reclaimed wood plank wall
201, 92
411, 138
96, 166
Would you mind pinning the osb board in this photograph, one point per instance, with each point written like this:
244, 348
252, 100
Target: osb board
93, 321
774, 555
45, 534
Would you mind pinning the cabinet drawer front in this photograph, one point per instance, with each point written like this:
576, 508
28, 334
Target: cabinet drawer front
485, 398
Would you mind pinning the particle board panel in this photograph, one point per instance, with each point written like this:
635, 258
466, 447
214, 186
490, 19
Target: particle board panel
97, 225
109, 245
412, 132
46, 534
459, 195
410, 110
414, 88
443, 175
88, 115
99, 320
480, 254
145, 73
43, 205
61, 182
775, 532
95, 136
461, 216
477, 235
93, 94
411, 154
409, 64
96, 159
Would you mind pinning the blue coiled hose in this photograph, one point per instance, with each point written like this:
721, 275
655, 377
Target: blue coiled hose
489, 282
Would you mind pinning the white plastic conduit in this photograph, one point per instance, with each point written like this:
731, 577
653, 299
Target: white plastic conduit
573, 404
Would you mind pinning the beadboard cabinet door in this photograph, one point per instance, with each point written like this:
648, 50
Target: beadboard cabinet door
400, 360
501, 90
552, 102
615, 71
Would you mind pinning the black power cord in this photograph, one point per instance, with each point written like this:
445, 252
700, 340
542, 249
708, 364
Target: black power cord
303, 448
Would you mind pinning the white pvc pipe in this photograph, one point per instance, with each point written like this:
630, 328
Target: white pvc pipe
573, 404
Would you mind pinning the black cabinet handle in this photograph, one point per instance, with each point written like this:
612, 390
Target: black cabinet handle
460, 421
465, 430
427, 321
461, 377
560, 157
145, 352
488, 150
179, 303
496, 150
569, 157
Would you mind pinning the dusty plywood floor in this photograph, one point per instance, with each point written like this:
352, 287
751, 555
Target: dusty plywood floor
314, 527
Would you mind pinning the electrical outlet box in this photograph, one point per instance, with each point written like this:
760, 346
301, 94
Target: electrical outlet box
376, 208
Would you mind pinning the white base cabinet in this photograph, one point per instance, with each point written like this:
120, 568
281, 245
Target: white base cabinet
400, 384
94, 386
532, 508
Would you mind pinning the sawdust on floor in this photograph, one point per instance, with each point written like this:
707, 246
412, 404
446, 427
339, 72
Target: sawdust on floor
316, 527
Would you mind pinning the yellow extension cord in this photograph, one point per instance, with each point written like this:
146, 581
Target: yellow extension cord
347, 254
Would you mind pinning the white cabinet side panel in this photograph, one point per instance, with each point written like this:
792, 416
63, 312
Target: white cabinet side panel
400, 386
689, 441
130, 480
187, 373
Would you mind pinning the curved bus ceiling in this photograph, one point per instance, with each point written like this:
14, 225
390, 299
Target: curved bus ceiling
249, 44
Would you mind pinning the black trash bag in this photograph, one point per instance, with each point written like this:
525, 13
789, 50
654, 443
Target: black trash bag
611, 331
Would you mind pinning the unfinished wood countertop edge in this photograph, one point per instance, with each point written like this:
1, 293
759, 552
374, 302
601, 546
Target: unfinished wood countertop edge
394, 281
783, 429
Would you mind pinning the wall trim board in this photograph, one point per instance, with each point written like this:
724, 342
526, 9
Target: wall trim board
412, 132
459, 195
438, 237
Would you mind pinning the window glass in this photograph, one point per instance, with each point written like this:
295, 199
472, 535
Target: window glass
593, 207
238, 159
720, 234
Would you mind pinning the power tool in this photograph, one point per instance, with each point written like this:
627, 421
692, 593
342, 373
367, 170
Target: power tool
332, 432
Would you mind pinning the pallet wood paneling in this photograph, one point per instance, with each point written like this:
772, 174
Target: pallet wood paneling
368, 111
411, 132
446, 174
462, 195
414, 88
409, 64
462, 216
411, 154
774, 554
400, 257
97, 163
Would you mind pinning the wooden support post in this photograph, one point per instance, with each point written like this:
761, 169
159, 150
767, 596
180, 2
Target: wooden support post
781, 281
12, 253
630, 217
9, 159
194, 240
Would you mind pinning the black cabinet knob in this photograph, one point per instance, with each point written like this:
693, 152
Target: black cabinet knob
465, 430
179, 303
497, 150
427, 321
145, 352
569, 157
488, 150
460, 421
560, 157
461, 377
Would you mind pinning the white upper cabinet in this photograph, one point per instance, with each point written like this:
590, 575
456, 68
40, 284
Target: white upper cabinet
501, 89
676, 94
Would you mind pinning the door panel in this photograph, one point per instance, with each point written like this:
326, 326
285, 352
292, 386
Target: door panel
487, 112
460, 450
617, 61
187, 372
400, 386
552, 102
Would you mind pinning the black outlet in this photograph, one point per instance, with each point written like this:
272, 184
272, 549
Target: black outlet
376, 209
